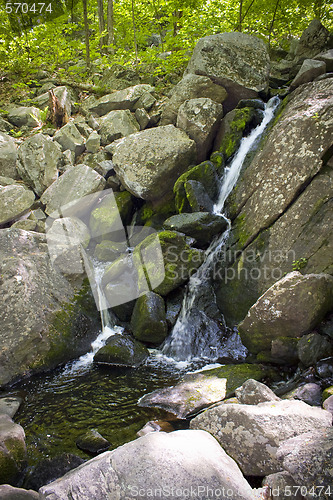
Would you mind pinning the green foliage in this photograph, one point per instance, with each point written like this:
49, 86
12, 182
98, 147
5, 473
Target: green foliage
299, 264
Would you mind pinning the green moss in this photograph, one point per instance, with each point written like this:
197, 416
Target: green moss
237, 128
327, 392
241, 233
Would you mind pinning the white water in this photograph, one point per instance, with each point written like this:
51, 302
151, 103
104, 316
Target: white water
185, 341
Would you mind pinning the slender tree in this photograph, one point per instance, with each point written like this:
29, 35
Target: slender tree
101, 24
86, 32
134, 33
110, 27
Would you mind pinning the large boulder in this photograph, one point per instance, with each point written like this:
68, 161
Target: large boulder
14, 201
200, 119
237, 61
12, 451
122, 99
117, 124
282, 205
148, 320
166, 464
190, 87
8, 156
45, 319
24, 116
258, 430
290, 308
8, 492
315, 38
38, 162
122, 350
309, 70
149, 162
202, 226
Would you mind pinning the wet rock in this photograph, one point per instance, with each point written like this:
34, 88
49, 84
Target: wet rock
157, 460
9, 405
15, 200
38, 162
8, 492
155, 426
93, 442
237, 61
148, 320
149, 162
93, 142
77, 182
197, 197
108, 251
202, 226
122, 350
200, 118
290, 308
70, 138
310, 70
190, 87
117, 124
24, 116
313, 347
50, 469
12, 451
253, 392
8, 156
309, 393
123, 99
308, 458
259, 430
280, 484
173, 303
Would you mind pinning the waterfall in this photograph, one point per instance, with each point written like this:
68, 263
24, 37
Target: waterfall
200, 331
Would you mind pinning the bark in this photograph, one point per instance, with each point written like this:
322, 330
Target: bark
86, 32
101, 24
57, 113
110, 26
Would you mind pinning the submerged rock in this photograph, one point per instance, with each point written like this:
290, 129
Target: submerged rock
93, 442
122, 350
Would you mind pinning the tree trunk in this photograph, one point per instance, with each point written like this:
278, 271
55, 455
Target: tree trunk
240, 15
101, 24
57, 113
177, 14
272, 23
110, 26
134, 33
86, 32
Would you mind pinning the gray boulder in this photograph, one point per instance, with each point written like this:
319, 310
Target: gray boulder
327, 58
309, 393
70, 138
142, 118
122, 350
202, 226
259, 430
45, 320
24, 116
117, 124
313, 347
146, 102
4, 125
253, 392
8, 156
75, 183
8, 492
181, 461
149, 162
122, 99
328, 404
38, 162
190, 87
282, 486
308, 458
290, 308
12, 450
200, 119
237, 61
14, 201
309, 70
148, 320
315, 38
93, 142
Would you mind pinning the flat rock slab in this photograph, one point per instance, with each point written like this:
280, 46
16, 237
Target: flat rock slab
122, 99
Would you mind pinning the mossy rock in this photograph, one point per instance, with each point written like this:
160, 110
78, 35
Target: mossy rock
108, 251
198, 197
202, 226
12, 450
107, 220
155, 213
122, 350
235, 125
92, 442
148, 320
327, 393
206, 174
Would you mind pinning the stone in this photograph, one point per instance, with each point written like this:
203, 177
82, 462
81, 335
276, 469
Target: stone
327, 58
93, 442
4, 125
100, 162
290, 308
309, 393
70, 138
24, 116
77, 182
197, 197
8, 492
117, 124
313, 347
253, 392
309, 70
280, 484
146, 102
149, 162
328, 392
142, 118
315, 38
192, 394
190, 87
26, 224
155, 426
109, 216
237, 61
123, 99
200, 119
38, 162
328, 404
12, 450
15, 200
122, 350
9, 405
148, 322
202, 226
108, 251
83, 127
46, 320
8, 156
93, 142
259, 430
158, 461
308, 458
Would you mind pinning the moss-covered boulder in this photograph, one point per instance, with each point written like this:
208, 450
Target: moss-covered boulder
122, 350
148, 320
108, 251
12, 450
108, 218
202, 226
205, 173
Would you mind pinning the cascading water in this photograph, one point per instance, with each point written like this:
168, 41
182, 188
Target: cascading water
200, 331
